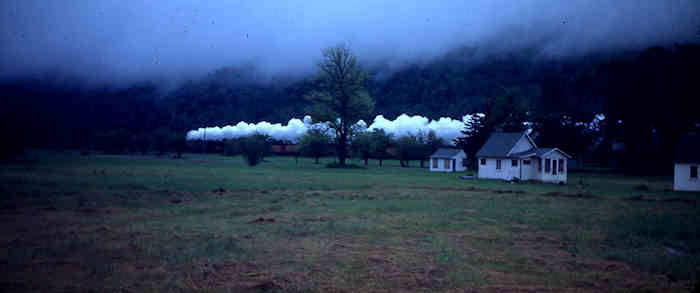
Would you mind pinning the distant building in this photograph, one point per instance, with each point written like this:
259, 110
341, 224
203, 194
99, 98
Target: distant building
448, 160
685, 175
509, 155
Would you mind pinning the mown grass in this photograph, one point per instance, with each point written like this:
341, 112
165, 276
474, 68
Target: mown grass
211, 223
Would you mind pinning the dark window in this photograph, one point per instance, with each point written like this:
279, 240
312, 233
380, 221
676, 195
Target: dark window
554, 167
526, 162
514, 163
498, 164
435, 163
539, 165
483, 161
464, 162
447, 164
547, 167
694, 172
561, 166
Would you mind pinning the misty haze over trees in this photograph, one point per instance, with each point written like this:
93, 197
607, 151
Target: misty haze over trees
644, 83
651, 91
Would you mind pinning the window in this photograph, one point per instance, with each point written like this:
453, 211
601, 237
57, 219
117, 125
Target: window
561, 166
483, 161
435, 163
539, 165
464, 162
694, 172
514, 163
554, 167
447, 164
526, 162
498, 164
547, 167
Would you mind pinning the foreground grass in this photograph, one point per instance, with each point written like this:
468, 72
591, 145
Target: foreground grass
209, 223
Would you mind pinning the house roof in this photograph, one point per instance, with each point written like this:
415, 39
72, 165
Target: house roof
445, 153
538, 152
688, 150
532, 152
499, 144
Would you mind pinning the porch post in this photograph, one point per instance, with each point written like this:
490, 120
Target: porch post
542, 162
520, 164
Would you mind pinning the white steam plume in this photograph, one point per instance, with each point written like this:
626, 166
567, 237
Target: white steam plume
446, 128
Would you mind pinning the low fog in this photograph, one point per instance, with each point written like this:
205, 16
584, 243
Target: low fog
127, 41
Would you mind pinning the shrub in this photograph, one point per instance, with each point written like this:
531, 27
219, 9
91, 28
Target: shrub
232, 147
254, 148
315, 143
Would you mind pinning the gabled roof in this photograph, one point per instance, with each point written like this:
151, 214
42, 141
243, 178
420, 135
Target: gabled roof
499, 144
538, 152
688, 150
529, 153
446, 153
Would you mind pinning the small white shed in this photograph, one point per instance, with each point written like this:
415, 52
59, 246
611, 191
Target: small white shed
685, 175
448, 160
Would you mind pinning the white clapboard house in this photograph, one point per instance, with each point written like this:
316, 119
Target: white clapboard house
448, 160
514, 155
685, 175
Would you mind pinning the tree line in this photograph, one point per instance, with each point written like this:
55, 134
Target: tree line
647, 97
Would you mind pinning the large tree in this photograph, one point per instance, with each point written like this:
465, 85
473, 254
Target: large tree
342, 99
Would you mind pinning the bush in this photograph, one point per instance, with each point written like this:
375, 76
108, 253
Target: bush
254, 148
315, 143
232, 147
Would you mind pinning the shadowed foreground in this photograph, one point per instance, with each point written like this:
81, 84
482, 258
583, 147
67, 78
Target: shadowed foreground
208, 223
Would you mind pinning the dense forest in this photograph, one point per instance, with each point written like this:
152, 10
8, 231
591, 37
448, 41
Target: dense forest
649, 98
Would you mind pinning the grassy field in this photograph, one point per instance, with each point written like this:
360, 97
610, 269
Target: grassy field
211, 223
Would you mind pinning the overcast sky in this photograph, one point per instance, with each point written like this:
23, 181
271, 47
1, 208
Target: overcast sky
129, 40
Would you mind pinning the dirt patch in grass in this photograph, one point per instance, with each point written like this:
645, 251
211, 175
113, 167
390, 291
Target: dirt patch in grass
683, 200
649, 199
639, 198
235, 276
262, 220
571, 195
471, 188
551, 257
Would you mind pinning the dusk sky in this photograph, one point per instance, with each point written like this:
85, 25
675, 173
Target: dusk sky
103, 40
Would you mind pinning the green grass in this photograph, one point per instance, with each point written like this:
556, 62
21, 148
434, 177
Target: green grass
211, 223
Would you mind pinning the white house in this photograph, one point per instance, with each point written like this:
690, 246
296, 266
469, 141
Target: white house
508, 155
448, 160
685, 176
